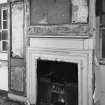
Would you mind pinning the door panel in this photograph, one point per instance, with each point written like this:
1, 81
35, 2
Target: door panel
17, 66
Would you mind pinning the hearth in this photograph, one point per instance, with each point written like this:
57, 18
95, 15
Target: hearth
57, 83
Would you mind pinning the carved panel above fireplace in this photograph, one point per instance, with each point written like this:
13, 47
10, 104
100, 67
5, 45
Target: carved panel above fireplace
56, 30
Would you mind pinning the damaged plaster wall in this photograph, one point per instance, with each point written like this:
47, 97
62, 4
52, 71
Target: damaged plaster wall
79, 11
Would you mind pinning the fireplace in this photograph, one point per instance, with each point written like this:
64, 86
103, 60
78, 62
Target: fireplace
59, 76
57, 83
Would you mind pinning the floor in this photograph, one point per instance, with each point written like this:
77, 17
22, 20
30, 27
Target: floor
5, 101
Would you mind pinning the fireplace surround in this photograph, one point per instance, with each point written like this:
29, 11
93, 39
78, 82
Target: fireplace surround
83, 59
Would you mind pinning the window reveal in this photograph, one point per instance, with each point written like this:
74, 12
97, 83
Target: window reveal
4, 29
58, 11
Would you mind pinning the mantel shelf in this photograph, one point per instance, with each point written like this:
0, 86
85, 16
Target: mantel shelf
61, 36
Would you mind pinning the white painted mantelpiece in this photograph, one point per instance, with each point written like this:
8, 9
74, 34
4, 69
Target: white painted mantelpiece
61, 49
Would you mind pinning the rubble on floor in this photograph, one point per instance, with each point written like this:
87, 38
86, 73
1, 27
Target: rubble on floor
5, 101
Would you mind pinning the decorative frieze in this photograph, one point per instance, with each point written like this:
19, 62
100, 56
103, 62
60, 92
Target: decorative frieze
57, 30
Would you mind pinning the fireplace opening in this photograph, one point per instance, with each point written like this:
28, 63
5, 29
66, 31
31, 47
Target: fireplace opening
57, 83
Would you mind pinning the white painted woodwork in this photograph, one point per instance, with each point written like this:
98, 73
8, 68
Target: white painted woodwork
82, 58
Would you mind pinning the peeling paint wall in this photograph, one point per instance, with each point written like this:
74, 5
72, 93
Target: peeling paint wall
79, 11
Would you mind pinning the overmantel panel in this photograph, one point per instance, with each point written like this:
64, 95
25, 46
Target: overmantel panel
80, 30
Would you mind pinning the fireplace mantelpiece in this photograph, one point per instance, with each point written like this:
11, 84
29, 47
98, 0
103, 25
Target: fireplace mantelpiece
82, 57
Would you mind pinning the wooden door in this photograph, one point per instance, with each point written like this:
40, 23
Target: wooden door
17, 65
